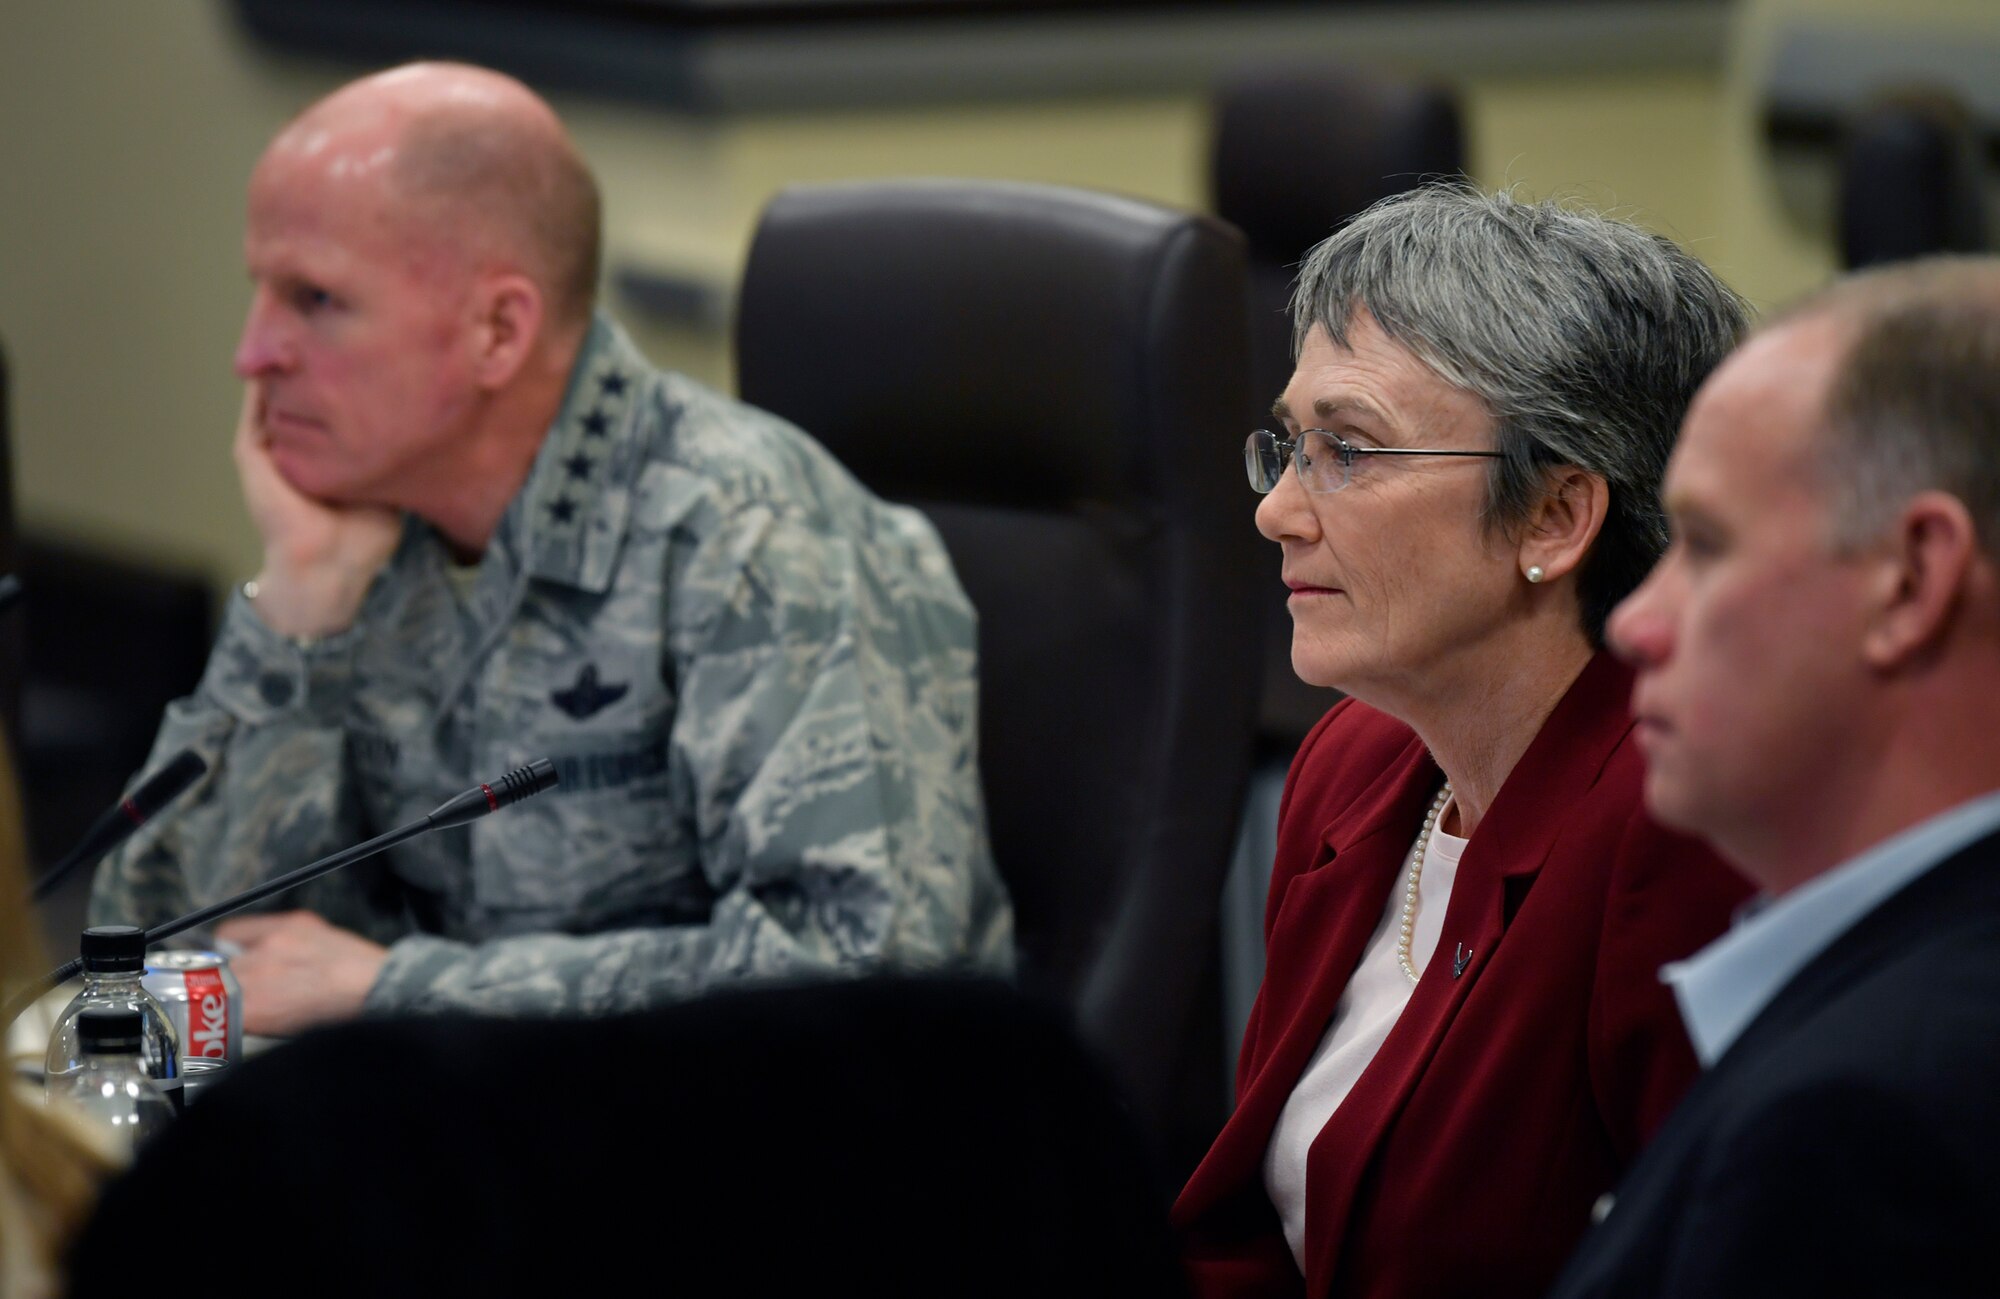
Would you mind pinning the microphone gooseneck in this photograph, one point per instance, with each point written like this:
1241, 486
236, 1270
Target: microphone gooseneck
122, 821
520, 783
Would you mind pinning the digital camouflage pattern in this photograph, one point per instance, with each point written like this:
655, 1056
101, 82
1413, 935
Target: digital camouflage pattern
755, 679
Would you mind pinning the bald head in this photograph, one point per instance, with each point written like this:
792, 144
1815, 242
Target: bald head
470, 164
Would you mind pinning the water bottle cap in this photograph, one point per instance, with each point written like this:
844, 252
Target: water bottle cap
110, 1032
114, 949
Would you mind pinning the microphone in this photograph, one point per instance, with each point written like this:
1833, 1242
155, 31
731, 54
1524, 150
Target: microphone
520, 783
122, 821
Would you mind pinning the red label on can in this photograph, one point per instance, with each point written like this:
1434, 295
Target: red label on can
208, 1015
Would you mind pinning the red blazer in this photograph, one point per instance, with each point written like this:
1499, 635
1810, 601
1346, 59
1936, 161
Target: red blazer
1512, 1092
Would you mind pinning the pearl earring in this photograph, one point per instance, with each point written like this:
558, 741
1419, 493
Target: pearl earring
1534, 572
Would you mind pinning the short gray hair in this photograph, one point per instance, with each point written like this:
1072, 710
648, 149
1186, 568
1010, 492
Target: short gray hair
1585, 337
1914, 404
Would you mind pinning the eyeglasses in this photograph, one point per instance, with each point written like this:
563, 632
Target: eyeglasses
1324, 460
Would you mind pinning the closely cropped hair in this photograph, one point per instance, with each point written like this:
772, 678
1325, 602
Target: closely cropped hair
1584, 336
1916, 403
543, 193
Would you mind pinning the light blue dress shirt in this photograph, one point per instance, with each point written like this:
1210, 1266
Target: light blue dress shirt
1727, 984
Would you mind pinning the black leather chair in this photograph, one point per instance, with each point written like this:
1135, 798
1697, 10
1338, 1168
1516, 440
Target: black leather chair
1297, 152
1056, 378
93, 699
1912, 181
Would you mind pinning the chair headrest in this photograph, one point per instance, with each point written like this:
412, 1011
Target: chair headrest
1912, 181
1297, 152
988, 341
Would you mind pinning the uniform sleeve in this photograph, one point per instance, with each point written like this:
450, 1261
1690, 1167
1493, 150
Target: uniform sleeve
266, 719
822, 749
1669, 896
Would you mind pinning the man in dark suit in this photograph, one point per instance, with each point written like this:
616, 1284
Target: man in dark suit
1818, 694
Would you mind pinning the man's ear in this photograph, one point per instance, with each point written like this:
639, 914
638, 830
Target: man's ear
1922, 561
1564, 523
507, 326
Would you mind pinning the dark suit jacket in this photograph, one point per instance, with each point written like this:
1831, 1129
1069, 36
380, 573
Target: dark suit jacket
1849, 1142
1509, 1096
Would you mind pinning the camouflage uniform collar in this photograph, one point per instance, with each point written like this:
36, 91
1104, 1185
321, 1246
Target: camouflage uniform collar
571, 515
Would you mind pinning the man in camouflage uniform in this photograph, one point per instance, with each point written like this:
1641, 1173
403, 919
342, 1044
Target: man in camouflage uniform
493, 532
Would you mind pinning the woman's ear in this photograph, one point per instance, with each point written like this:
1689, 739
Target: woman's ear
1563, 524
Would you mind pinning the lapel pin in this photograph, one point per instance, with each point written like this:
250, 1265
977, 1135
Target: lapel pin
1460, 959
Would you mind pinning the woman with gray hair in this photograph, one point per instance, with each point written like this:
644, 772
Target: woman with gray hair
1461, 1040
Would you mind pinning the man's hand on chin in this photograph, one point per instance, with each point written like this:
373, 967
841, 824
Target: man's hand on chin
296, 971
319, 558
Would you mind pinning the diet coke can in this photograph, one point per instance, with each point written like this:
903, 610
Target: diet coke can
201, 997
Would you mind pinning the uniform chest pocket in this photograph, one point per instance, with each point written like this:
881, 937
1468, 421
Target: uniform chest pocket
608, 848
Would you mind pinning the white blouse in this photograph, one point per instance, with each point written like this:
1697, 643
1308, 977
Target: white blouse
1368, 1009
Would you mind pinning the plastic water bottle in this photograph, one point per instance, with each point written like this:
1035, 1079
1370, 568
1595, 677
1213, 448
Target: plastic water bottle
114, 960
109, 1084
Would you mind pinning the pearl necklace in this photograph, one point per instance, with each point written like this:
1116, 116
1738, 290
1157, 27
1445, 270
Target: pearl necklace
1416, 873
